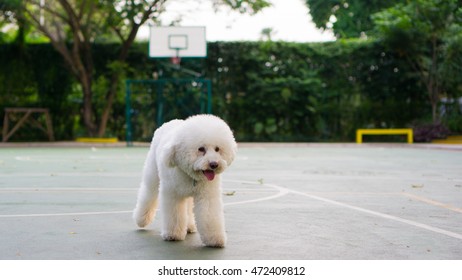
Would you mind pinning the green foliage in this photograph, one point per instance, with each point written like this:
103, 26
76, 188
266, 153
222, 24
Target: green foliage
35, 77
267, 91
244, 6
8, 11
427, 33
352, 17
417, 22
74, 26
271, 78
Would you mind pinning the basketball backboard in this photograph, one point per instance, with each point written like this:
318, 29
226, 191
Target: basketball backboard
175, 41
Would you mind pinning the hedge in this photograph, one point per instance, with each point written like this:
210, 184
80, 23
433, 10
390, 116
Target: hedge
267, 91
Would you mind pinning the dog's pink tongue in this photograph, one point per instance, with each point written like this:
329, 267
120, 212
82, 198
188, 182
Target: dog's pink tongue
210, 174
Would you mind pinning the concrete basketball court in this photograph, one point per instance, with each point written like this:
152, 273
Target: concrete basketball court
282, 201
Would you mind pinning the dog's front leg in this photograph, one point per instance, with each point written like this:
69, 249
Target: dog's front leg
191, 219
208, 208
174, 217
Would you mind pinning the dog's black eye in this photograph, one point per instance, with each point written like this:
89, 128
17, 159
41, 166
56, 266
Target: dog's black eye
202, 149
217, 149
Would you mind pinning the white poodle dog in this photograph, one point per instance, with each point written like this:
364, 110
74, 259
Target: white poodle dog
182, 171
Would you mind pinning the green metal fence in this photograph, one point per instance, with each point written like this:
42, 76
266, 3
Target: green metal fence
150, 103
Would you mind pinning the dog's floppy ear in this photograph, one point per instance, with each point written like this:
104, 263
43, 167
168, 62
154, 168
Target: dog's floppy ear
169, 155
231, 154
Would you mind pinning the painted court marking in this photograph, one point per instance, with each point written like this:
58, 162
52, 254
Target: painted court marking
282, 191
433, 202
102, 173
64, 214
382, 215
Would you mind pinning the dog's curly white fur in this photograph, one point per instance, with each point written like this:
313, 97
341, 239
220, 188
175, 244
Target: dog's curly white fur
182, 172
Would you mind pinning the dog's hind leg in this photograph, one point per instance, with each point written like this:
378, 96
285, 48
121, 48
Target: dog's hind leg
146, 204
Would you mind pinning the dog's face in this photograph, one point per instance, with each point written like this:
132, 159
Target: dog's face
208, 161
203, 147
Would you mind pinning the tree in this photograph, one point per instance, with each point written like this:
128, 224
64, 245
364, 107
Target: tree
72, 26
428, 34
347, 18
8, 10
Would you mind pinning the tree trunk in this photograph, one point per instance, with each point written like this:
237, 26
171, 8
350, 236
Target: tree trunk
435, 116
76, 18
115, 81
433, 97
109, 101
88, 114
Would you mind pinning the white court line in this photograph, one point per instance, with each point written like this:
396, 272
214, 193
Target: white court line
19, 190
64, 214
103, 173
78, 159
382, 215
281, 192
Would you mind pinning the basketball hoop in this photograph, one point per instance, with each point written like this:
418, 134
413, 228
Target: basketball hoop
176, 60
177, 42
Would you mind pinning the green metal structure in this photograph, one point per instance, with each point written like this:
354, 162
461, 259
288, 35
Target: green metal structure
150, 103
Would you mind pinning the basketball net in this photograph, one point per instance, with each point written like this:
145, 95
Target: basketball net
175, 60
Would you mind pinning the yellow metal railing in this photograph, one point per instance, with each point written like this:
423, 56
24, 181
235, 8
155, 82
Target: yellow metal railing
385, 131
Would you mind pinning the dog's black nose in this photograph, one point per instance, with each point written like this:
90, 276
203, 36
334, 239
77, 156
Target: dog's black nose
213, 165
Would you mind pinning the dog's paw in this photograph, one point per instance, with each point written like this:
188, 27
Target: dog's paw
218, 241
172, 237
143, 219
220, 244
192, 228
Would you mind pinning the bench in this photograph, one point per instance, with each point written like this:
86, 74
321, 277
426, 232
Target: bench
384, 131
15, 113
